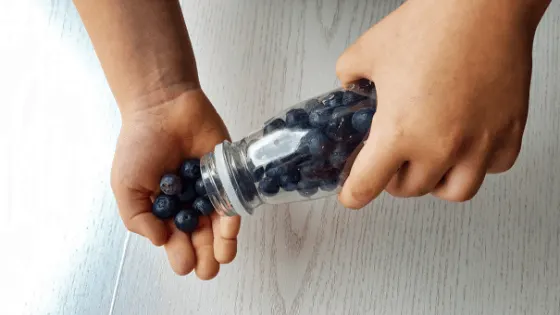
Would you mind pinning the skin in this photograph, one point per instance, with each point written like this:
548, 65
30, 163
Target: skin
453, 83
144, 48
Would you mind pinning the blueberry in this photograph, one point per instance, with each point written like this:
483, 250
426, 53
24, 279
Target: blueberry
245, 180
307, 188
339, 155
320, 117
312, 104
297, 118
269, 186
188, 194
186, 220
332, 103
351, 98
258, 173
274, 125
190, 169
165, 206
329, 184
334, 99
316, 143
170, 184
247, 187
203, 205
199, 187
274, 170
340, 112
340, 129
289, 181
315, 170
285, 164
361, 120
364, 86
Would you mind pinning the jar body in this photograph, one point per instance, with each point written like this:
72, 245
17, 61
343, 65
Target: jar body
304, 152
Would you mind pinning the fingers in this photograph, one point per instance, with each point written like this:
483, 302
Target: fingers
504, 158
462, 182
374, 166
416, 179
135, 209
225, 237
213, 242
207, 266
180, 251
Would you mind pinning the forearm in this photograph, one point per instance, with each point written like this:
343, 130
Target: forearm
144, 49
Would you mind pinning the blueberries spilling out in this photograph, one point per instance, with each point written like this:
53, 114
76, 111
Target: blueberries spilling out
304, 153
183, 197
329, 130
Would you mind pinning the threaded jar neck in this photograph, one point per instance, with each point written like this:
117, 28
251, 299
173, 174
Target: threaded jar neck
227, 181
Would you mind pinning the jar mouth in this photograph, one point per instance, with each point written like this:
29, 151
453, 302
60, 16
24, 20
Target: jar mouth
213, 186
220, 184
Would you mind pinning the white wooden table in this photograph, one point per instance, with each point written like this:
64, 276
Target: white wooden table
65, 251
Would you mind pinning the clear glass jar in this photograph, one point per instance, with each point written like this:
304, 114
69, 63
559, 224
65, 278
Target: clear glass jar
302, 153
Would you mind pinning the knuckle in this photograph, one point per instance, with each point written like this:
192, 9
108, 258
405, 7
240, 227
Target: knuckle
394, 135
450, 147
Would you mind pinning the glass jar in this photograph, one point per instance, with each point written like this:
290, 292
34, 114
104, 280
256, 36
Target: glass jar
304, 152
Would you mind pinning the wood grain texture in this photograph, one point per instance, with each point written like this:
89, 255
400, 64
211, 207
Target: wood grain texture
498, 254
60, 235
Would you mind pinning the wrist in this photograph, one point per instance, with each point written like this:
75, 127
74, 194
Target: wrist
162, 95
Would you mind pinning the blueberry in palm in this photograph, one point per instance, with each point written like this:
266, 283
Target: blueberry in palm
165, 206
188, 194
190, 169
186, 220
203, 205
170, 184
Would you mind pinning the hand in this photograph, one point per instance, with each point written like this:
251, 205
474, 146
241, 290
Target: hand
154, 141
453, 83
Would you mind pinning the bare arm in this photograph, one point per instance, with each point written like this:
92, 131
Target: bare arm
144, 48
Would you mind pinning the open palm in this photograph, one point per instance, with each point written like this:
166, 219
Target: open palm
153, 142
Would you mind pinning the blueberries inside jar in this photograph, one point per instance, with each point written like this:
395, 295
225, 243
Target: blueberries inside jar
302, 153
311, 146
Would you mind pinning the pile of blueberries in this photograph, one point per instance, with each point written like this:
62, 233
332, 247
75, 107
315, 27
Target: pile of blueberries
335, 126
183, 197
